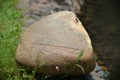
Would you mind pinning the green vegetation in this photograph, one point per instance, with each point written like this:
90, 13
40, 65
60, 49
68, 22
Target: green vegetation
10, 23
80, 55
71, 64
77, 64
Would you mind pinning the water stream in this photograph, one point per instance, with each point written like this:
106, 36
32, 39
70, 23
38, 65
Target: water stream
101, 19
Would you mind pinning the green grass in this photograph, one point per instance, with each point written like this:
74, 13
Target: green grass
10, 23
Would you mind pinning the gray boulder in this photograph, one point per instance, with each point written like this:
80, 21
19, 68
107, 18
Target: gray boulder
56, 44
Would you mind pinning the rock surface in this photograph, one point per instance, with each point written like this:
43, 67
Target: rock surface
53, 42
34, 10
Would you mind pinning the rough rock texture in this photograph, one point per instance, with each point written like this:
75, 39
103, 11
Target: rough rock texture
34, 10
53, 42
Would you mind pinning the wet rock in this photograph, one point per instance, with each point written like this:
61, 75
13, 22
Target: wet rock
53, 42
98, 73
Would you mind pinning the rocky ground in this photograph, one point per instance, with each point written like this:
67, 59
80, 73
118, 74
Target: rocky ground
34, 10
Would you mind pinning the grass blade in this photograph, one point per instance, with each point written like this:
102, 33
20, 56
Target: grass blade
80, 55
80, 68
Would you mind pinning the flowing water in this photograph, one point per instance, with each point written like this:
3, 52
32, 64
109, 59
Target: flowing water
101, 19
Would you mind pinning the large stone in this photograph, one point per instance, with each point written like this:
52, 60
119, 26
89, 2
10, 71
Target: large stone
53, 45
